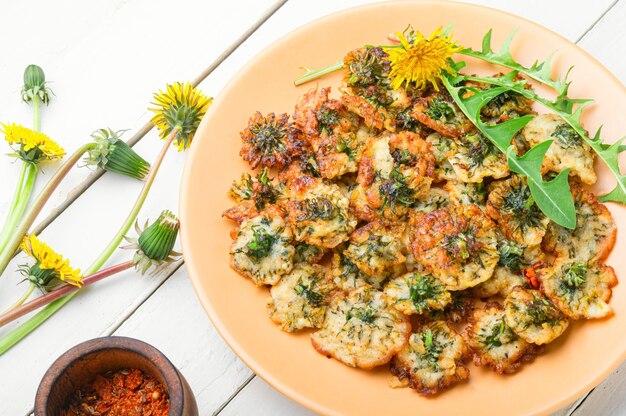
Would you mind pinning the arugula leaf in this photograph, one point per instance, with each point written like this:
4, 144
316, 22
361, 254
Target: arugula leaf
570, 109
553, 198
539, 71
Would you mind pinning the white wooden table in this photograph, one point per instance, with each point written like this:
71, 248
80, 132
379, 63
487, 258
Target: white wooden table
104, 59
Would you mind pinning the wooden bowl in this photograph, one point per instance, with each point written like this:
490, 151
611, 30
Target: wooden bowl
79, 365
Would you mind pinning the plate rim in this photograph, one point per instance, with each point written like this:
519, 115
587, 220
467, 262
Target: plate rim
257, 368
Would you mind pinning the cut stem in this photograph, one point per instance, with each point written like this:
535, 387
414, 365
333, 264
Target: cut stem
20, 310
315, 74
15, 336
31, 214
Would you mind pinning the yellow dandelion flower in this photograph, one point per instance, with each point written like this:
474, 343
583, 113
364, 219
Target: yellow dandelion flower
49, 266
29, 145
421, 60
180, 107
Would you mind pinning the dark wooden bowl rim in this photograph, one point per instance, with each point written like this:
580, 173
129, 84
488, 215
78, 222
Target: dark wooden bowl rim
170, 374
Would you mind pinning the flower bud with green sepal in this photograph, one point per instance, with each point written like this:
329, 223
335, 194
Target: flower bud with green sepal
154, 247
113, 154
35, 85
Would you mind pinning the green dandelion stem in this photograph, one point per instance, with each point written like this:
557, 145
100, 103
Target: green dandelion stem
16, 335
311, 74
19, 310
36, 118
20, 301
24, 188
31, 213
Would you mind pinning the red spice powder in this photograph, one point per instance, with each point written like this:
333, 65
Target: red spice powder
120, 393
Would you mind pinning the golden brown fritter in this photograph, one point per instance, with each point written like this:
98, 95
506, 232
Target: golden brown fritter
265, 140
509, 272
375, 248
440, 113
511, 205
494, 344
466, 193
594, 235
307, 253
262, 250
416, 293
395, 171
442, 149
457, 311
435, 199
532, 316
432, 360
318, 213
367, 76
253, 195
375, 118
458, 244
476, 158
332, 132
568, 149
362, 329
300, 299
348, 277
580, 289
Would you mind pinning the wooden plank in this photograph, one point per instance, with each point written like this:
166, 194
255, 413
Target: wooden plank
105, 59
607, 38
112, 71
174, 322
259, 398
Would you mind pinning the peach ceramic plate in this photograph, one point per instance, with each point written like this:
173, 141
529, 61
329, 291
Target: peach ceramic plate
573, 364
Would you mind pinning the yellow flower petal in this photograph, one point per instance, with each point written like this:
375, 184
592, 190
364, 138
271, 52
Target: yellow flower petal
180, 107
28, 140
421, 61
48, 259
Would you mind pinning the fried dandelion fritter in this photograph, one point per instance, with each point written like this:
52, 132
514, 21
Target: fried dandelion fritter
318, 213
300, 298
532, 316
432, 360
494, 344
375, 248
568, 150
367, 76
332, 132
466, 193
253, 195
476, 158
362, 329
439, 112
512, 206
580, 289
514, 258
435, 199
262, 250
265, 140
594, 235
395, 172
442, 149
458, 244
347, 276
415, 293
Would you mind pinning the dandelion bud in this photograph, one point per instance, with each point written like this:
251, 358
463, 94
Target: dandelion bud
114, 155
155, 244
35, 84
